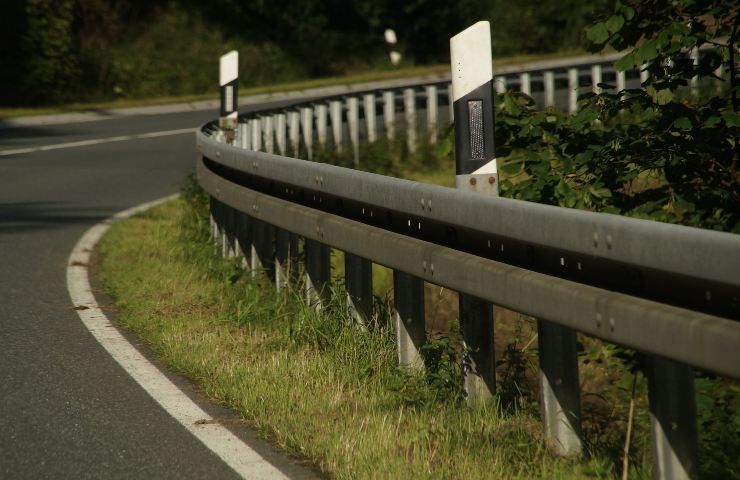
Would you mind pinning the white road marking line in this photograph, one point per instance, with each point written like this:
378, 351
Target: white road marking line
233, 451
95, 141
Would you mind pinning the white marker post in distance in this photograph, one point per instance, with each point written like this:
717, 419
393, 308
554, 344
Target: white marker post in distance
229, 83
392, 41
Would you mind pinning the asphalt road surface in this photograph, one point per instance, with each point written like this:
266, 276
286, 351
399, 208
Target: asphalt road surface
68, 410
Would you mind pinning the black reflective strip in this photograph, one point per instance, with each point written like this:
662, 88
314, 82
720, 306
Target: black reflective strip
229, 97
474, 129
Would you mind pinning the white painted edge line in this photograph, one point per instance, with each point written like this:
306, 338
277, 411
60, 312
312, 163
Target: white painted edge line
96, 141
233, 451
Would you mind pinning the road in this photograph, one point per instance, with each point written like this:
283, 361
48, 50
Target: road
68, 409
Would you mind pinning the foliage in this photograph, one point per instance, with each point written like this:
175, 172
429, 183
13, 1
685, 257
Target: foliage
652, 152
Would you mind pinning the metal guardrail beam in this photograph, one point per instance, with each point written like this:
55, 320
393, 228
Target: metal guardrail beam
686, 251
704, 341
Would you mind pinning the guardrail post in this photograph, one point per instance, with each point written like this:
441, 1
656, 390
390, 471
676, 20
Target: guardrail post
573, 85
409, 106
644, 74
321, 124
294, 132
215, 233
286, 258
596, 78
358, 281
353, 122
318, 272
307, 128
560, 402
242, 135
525, 83
432, 114
475, 165
262, 246
672, 419
408, 305
229, 232
228, 74
695, 78
243, 236
621, 81
370, 123
267, 127
500, 85
389, 114
335, 112
548, 78
281, 132
256, 124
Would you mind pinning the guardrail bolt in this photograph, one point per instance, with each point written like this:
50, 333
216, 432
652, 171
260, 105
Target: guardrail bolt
491, 180
473, 181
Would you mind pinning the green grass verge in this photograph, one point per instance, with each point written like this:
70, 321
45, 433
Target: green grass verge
307, 380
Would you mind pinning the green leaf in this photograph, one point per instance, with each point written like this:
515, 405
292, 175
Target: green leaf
597, 33
661, 97
600, 192
682, 123
626, 62
647, 51
615, 23
511, 168
712, 121
732, 119
510, 106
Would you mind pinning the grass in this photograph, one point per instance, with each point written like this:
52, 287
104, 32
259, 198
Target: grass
351, 78
316, 387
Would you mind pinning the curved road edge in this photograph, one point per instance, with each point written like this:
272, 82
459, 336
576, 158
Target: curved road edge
233, 451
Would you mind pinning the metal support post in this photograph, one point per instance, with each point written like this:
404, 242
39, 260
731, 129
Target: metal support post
369, 110
262, 247
242, 135
695, 78
358, 281
408, 304
432, 114
560, 400
672, 419
596, 78
573, 86
451, 103
500, 85
256, 124
267, 127
294, 131
525, 83
353, 122
548, 78
286, 258
475, 164
621, 81
335, 114
307, 128
389, 114
318, 272
243, 233
409, 107
644, 74
281, 132
228, 74
322, 112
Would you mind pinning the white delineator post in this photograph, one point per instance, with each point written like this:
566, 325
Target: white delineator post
475, 162
392, 41
228, 82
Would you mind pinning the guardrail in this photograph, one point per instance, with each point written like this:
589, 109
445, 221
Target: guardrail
669, 291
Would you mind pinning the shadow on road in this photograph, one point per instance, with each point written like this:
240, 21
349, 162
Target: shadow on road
30, 216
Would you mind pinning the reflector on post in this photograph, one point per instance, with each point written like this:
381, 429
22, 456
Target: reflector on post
228, 81
472, 95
